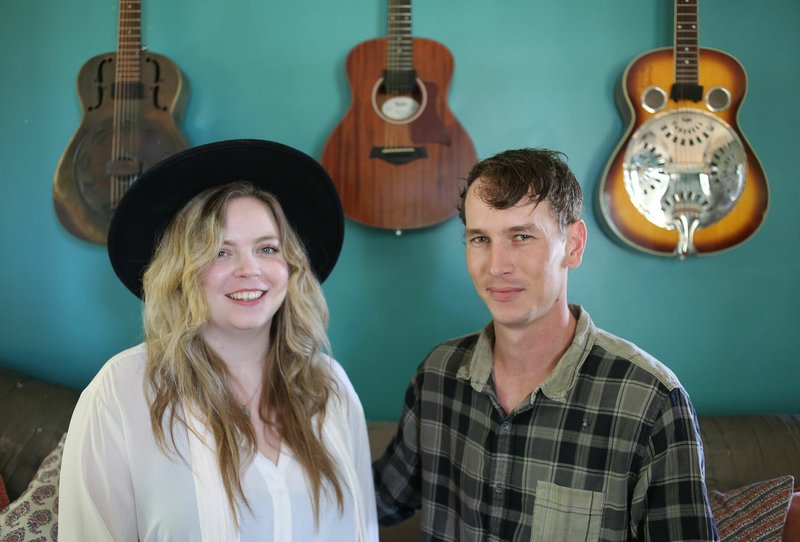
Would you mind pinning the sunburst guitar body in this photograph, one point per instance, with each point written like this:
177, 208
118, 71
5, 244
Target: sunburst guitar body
684, 107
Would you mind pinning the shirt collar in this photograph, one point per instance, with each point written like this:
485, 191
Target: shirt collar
477, 368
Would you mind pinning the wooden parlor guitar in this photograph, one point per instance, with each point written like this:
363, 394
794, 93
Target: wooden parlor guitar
683, 101
131, 102
397, 155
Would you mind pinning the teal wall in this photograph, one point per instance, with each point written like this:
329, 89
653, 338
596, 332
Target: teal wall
528, 73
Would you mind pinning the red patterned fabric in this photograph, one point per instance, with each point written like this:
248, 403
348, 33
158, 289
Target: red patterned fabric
34, 515
755, 513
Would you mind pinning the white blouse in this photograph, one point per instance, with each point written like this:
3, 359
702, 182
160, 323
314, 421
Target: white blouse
116, 484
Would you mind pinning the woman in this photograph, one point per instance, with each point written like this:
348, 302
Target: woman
229, 422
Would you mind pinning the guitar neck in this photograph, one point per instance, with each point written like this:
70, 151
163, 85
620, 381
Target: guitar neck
129, 47
128, 92
399, 76
687, 30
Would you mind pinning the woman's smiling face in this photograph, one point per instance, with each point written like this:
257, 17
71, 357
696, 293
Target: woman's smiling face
246, 283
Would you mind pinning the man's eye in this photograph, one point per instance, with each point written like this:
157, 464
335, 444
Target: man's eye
523, 237
478, 240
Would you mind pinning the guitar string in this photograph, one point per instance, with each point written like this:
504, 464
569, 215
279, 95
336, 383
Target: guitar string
398, 26
134, 68
125, 121
118, 96
388, 83
138, 99
133, 97
114, 96
688, 38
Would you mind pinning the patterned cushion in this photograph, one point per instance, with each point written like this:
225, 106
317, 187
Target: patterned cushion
34, 515
756, 512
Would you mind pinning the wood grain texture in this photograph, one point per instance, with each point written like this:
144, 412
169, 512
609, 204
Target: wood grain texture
414, 194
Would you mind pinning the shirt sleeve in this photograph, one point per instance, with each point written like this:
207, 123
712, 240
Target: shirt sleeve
362, 459
359, 451
670, 500
397, 472
95, 490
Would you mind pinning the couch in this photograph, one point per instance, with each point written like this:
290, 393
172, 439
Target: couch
748, 458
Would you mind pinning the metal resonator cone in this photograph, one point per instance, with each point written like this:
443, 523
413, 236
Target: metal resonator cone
684, 170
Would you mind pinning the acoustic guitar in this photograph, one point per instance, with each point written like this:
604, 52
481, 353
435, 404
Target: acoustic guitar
683, 180
397, 155
131, 103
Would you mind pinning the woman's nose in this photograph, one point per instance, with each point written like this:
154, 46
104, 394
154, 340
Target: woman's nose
247, 266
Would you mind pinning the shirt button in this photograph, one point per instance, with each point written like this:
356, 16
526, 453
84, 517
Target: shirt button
498, 489
505, 426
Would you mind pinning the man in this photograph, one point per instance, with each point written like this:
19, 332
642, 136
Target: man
541, 426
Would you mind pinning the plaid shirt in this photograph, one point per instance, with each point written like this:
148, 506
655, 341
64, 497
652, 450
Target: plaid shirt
607, 448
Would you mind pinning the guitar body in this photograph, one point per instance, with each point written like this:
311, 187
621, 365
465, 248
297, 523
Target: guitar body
399, 174
88, 182
657, 69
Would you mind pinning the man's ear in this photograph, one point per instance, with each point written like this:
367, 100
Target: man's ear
575, 243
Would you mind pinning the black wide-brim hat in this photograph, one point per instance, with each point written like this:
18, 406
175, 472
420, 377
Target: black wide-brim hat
302, 186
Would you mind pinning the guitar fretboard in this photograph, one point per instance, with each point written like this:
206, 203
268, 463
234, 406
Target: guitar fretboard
399, 75
124, 167
686, 41
129, 42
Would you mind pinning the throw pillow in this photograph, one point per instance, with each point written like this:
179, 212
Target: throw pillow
756, 512
34, 515
3, 495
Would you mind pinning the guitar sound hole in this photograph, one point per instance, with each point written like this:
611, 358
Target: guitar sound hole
398, 107
718, 99
654, 99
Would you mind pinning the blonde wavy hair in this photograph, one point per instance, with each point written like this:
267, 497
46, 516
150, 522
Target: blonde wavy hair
183, 370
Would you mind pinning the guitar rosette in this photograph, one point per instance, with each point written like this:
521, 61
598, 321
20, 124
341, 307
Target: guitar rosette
685, 169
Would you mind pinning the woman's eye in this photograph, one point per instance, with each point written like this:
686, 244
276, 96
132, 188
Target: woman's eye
268, 250
222, 253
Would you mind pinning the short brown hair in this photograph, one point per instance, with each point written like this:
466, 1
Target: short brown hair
536, 174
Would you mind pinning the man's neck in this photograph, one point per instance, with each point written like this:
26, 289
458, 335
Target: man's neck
523, 357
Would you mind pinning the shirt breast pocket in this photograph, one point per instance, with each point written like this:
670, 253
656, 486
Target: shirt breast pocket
564, 513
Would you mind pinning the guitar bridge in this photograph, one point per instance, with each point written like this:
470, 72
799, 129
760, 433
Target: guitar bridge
398, 155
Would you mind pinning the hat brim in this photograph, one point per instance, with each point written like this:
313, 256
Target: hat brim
305, 191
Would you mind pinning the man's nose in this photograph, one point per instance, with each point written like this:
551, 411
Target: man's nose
500, 259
